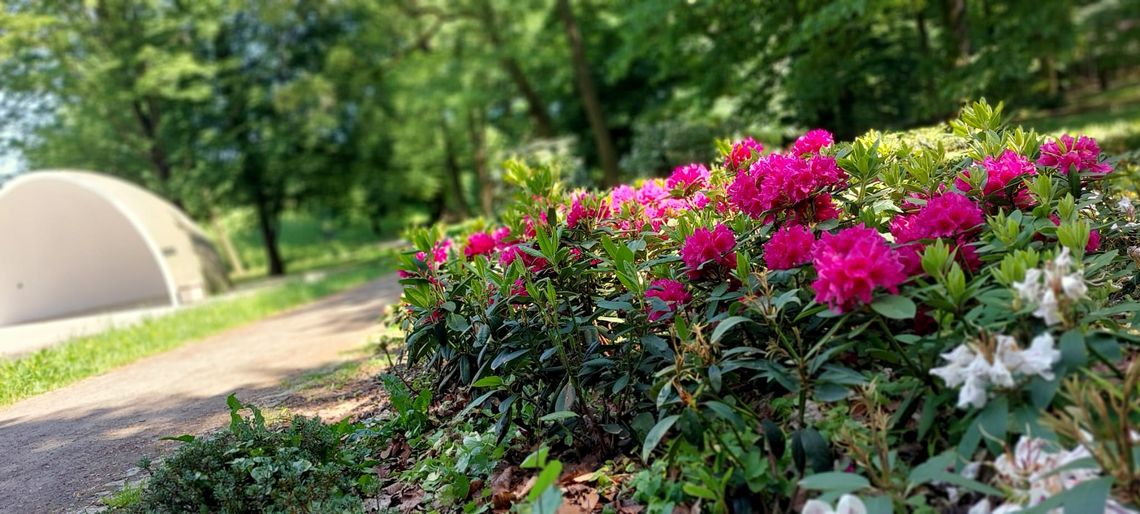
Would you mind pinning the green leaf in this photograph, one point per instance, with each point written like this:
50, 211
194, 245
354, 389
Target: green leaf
545, 479
488, 381
653, 438
724, 326
185, 438
715, 377
725, 412
894, 307
504, 358
536, 459
836, 481
698, 491
559, 416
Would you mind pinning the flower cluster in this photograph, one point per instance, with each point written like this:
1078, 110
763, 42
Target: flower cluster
1073, 155
742, 151
789, 247
1036, 470
670, 293
949, 215
812, 142
1053, 289
1001, 171
974, 368
706, 249
851, 264
796, 187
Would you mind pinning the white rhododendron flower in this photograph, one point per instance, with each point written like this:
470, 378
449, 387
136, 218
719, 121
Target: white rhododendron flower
1034, 472
1053, 288
974, 371
1126, 207
848, 504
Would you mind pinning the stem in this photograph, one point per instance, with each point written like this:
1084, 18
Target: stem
925, 377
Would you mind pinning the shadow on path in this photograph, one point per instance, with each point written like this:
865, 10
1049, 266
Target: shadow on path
59, 448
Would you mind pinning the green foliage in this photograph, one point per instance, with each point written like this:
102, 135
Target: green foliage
745, 384
306, 466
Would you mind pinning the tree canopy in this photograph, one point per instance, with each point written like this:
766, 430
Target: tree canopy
371, 109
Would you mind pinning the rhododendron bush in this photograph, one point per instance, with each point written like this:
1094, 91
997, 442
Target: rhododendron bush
934, 321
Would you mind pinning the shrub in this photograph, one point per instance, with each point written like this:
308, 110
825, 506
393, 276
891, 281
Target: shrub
884, 317
304, 467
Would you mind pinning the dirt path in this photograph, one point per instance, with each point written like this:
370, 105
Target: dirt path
59, 448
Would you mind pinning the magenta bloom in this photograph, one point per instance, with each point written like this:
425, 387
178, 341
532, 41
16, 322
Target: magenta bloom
651, 192
812, 141
778, 182
669, 291
742, 151
584, 208
949, 215
439, 251
789, 247
692, 176
479, 243
500, 236
851, 264
1000, 172
622, 194
1068, 154
706, 245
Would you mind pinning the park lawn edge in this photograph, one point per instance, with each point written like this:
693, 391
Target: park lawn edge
63, 364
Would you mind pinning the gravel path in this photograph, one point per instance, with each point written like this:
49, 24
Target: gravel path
60, 448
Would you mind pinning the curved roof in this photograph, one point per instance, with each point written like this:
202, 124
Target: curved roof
73, 241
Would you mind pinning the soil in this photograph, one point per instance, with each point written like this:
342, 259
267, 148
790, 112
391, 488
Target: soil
63, 448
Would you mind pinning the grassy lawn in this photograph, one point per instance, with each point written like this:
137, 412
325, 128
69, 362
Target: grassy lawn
1112, 117
307, 242
79, 358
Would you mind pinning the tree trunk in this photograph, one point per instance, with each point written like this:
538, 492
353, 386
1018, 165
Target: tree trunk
476, 128
536, 108
957, 24
451, 169
267, 202
268, 223
607, 152
148, 117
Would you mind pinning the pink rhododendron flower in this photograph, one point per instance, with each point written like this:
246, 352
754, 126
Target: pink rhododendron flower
622, 194
851, 264
949, 215
519, 288
779, 182
1000, 172
500, 236
651, 192
789, 247
669, 291
585, 207
479, 243
742, 151
706, 245
692, 176
529, 232
509, 254
1068, 154
812, 141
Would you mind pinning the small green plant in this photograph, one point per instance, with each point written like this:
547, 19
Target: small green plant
125, 497
305, 466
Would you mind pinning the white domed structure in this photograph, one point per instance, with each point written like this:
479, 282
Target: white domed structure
75, 242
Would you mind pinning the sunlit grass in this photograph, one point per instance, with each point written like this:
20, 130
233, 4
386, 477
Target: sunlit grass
57, 366
1112, 117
